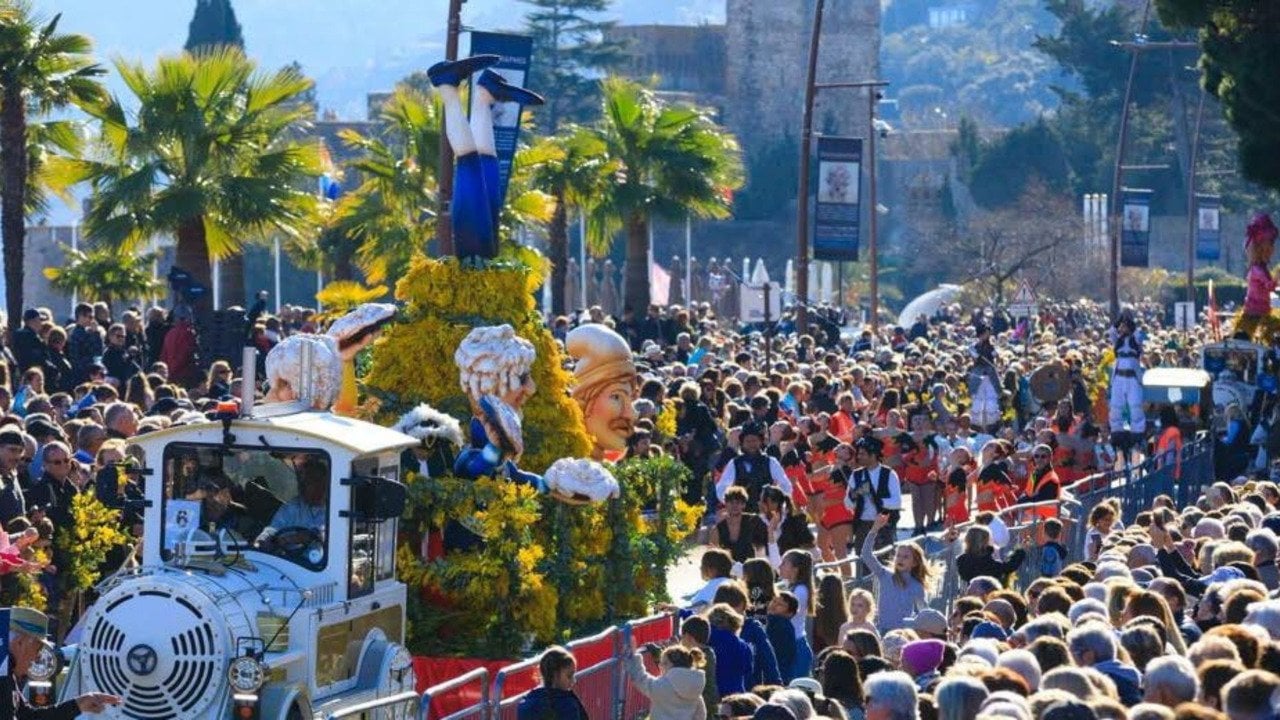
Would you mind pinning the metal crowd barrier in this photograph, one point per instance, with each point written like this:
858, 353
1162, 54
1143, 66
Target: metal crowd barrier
503, 707
392, 707
478, 710
596, 685
600, 683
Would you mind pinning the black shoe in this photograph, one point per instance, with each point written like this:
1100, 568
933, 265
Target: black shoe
454, 72
503, 91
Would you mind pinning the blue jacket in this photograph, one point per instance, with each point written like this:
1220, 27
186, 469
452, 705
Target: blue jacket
546, 703
765, 665
733, 661
782, 638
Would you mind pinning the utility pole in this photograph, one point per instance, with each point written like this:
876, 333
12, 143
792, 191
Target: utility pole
444, 219
1192, 215
802, 197
1139, 45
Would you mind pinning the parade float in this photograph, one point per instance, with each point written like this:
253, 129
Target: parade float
528, 538
501, 563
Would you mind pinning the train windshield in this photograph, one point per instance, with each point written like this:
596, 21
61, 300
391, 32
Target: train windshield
275, 499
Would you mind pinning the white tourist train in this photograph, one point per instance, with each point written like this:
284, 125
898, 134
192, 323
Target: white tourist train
282, 606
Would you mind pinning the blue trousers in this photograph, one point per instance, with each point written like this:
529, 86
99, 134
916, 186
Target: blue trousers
476, 205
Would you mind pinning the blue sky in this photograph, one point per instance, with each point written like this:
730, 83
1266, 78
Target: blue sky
349, 47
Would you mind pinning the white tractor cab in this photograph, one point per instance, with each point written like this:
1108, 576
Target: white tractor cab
267, 587
1239, 370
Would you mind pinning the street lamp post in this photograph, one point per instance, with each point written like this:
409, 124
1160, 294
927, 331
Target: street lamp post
444, 220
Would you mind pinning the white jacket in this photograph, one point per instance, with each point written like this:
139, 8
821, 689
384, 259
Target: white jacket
677, 695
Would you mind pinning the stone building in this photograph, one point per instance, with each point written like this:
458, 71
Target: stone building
751, 70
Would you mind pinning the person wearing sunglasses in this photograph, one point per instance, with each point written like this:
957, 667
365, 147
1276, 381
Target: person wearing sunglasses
1043, 485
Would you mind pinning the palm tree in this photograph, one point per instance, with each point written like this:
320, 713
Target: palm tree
212, 155
40, 71
388, 214
674, 161
105, 273
572, 167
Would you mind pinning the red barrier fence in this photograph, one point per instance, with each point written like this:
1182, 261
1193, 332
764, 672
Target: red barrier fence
600, 684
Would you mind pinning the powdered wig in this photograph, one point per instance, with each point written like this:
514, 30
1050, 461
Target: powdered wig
284, 366
493, 361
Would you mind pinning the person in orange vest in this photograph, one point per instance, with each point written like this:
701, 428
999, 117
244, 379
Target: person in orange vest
1043, 485
1170, 441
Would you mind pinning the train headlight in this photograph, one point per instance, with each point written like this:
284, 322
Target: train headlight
246, 674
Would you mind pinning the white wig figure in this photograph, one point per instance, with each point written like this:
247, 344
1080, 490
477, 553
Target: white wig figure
285, 370
427, 423
579, 481
494, 360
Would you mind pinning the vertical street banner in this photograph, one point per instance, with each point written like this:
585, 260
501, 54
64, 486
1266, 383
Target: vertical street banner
1135, 227
1208, 227
838, 199
516, 52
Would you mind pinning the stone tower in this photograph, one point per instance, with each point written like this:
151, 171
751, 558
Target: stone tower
767, 45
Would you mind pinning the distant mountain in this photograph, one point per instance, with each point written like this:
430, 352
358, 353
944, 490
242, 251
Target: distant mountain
350, 47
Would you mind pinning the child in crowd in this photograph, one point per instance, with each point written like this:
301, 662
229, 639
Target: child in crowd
782, 635
733, 654
1053, 554
797, 571
676, 693
832, 613
862, 611
717, 569
695, 634
761, 582
554, 699
1101, 520
903, 587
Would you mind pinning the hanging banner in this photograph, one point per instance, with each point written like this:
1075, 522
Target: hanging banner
838, 199
515, 51
1135, 227
1208, 227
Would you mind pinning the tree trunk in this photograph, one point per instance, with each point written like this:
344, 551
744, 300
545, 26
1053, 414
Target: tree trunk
232, 276
637, 277
558, 253
192, 255
13, 198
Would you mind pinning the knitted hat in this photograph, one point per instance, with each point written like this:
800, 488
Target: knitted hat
920, 657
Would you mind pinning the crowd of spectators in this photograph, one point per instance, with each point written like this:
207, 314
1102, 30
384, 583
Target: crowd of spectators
804, 449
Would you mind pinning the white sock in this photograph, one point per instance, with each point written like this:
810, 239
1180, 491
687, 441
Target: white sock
456, 127
482, 121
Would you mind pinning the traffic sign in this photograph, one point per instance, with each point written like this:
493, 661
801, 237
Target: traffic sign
1024, 296
1024, 303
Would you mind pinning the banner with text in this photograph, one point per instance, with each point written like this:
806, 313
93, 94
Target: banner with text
1135, 227
1208, 227
516, 52
838, 199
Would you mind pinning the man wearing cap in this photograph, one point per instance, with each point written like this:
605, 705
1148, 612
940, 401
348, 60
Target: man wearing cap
753, 470
28, 348
929, 624
12, 503
27, 631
